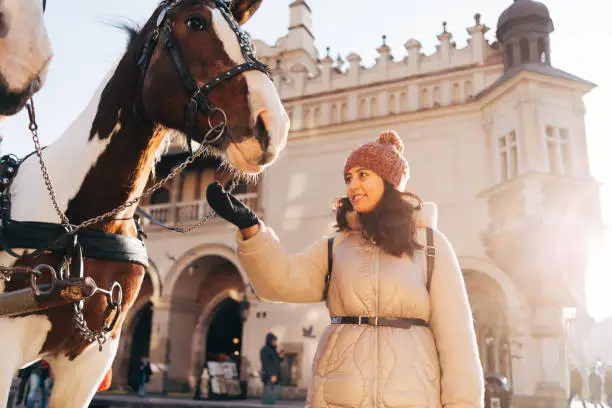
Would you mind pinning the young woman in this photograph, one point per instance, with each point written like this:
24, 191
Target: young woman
401, 332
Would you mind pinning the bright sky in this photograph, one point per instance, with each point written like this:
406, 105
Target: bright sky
86, 47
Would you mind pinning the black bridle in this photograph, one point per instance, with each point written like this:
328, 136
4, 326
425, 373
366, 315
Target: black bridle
199, 100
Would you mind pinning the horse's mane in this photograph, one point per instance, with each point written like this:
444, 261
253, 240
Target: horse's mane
130, 27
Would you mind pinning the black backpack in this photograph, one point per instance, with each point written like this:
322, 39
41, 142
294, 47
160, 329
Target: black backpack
430, 252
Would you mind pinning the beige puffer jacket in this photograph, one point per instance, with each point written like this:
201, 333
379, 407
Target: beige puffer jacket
383, 367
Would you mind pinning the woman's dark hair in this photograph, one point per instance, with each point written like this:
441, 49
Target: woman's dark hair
390, 225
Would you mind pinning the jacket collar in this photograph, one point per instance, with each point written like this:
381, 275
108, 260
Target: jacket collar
426, 217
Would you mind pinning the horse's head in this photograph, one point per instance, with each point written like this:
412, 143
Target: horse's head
25, 52
200, 69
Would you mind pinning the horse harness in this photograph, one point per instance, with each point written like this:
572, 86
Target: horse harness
73, 242
67, 283
397, 322
199, 100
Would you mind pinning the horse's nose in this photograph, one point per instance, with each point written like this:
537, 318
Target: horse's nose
262, 134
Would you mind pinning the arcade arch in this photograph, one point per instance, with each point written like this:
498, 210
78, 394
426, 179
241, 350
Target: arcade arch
205, 320
492, 299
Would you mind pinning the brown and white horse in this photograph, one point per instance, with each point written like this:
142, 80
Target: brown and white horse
25, 52
105, 158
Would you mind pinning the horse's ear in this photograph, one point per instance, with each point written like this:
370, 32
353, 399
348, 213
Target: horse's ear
244, 9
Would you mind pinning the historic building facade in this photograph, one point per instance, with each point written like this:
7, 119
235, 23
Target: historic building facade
494, 134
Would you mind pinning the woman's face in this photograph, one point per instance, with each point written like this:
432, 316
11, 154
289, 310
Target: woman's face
364, 189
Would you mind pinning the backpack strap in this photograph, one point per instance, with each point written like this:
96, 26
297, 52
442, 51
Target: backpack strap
330, 262
430, 253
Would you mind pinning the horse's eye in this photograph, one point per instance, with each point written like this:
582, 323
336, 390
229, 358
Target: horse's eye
195, 23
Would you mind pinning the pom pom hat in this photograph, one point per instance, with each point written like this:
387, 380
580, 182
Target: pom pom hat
384, 157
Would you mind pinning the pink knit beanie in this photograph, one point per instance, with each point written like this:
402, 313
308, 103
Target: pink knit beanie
384, 157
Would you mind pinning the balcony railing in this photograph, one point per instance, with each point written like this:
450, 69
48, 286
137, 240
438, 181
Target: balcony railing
183, 212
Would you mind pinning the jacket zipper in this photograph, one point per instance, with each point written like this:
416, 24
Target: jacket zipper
375, 264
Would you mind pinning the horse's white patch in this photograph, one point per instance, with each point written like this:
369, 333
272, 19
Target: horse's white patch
68, 161
263, 98
26, 50
76, 391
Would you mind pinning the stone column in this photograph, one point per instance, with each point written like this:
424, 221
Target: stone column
171, 336
180, 342
547, 330
521, 355
159, 342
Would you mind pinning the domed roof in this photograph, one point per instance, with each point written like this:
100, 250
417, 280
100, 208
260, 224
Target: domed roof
521, 9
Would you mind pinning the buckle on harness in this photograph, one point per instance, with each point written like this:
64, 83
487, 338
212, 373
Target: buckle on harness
430, 250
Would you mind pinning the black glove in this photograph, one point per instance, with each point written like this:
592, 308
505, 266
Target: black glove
229, 207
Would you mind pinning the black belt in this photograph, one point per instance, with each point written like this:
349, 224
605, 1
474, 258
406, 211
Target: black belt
398, 322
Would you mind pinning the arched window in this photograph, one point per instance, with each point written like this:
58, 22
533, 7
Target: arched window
344, 113
363, 109
403, 102
307, 119
456, 93
469, 91
373, 107
334, 114
317, 117
524, 45
542, 51
392, 104
509, 55
424, 101
436, 97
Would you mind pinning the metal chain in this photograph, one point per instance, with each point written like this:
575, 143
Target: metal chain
114, 305
187, 228
81, 325
219, 128
184, 228
161, 183
33, 126
79, 320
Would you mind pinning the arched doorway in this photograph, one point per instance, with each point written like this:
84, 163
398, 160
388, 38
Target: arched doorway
141, 341
223, 344
489, 309
205, 297
224, 335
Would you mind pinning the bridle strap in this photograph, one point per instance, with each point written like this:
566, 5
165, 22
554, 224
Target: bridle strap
199, 100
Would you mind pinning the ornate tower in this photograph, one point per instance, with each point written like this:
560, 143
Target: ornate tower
523, 31
544, 206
